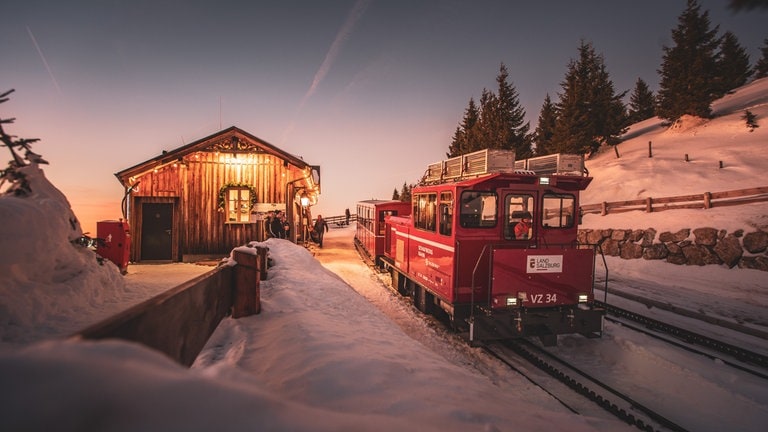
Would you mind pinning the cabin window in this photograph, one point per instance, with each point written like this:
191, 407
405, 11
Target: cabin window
446, 213
383, 215
425, 211
559, 210
517, 208
238, 204
478, 209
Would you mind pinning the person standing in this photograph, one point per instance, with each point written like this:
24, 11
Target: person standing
320, 228
276, 226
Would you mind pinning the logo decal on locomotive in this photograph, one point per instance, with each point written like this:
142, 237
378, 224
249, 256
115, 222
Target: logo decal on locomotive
545, 264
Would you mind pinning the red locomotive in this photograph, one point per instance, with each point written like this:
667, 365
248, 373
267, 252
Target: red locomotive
492, 243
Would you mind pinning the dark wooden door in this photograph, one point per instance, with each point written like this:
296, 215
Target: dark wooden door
156, 231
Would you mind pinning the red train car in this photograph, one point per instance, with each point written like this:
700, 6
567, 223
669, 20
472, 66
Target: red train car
464, 251
369, 236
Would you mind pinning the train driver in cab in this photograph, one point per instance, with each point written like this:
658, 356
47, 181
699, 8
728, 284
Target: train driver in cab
523, 228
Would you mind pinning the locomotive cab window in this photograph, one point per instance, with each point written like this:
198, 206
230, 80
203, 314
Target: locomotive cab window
238, 204
559, 210
383, 215
446, 213
519, 217
478, 209
425, 211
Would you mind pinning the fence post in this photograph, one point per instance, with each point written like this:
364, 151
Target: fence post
707, 200
686, 158
246, 299
650, 151
648, 205
604, 209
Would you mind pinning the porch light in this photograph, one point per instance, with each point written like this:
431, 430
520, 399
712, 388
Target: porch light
304, 199
583, 298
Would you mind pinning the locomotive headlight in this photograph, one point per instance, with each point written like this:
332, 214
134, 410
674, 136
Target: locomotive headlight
583, 298
511, 301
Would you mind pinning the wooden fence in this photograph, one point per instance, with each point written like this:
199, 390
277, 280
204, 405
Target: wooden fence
339, 221
705, 200
179, 321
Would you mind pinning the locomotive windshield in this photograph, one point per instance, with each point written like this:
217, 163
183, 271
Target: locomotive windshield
559, 210
478, 209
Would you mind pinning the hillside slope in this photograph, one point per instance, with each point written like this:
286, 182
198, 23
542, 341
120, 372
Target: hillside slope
725, 138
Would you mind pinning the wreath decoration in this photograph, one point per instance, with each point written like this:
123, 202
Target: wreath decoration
223, 193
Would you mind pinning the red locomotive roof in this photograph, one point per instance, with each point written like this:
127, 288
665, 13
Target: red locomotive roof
566, 182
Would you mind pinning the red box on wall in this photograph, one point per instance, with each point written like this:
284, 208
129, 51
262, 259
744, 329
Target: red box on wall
115, 244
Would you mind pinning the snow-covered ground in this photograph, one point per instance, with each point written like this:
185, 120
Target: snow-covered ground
333, 349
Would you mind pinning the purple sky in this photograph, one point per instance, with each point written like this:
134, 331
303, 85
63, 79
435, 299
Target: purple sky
370, 90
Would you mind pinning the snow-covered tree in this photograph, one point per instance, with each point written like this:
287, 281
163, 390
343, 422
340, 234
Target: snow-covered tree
12, 179
688, 72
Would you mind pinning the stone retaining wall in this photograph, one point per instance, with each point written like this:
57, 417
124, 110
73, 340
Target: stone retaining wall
700, 246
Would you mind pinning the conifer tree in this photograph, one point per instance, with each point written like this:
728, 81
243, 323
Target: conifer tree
590, 112
511, 129
732, 64
466, 132
689, 68
395, 195
497, 123
405, 193
641, 103
487, 123
545, 128
761, 67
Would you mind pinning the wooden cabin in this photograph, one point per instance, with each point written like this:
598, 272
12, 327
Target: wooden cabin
203, 199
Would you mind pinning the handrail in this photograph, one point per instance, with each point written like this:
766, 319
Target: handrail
472, 285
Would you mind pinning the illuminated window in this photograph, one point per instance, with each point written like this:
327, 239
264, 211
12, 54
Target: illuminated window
446, 213
238, 204
424, 211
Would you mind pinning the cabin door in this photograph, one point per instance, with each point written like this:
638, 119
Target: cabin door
156, 231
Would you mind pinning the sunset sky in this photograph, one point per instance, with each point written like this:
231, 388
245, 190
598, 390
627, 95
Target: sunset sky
371, 91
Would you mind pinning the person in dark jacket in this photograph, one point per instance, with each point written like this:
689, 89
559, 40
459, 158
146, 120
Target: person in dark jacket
276, 226
320, 228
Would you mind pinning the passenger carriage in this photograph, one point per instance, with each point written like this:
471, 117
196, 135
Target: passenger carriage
369, 236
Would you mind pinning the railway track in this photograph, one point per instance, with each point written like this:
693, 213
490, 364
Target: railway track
609, 399
740, 358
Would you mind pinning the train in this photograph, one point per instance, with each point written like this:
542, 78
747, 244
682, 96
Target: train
490, 243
